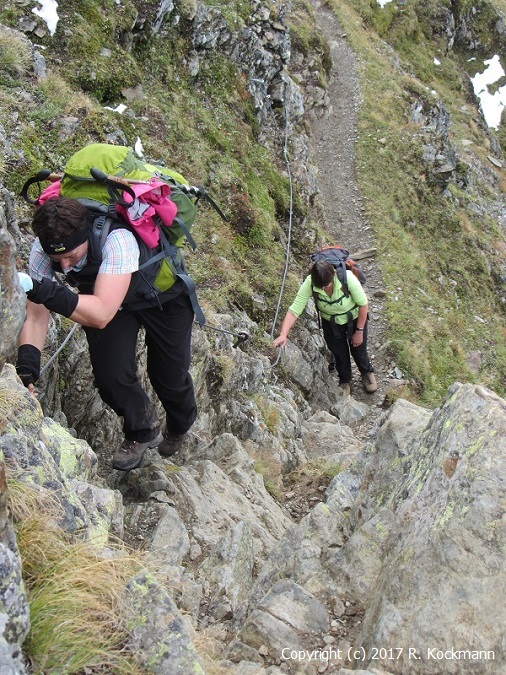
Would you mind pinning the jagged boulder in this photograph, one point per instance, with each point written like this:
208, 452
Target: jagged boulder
43, 453
441, 584
412, 535
161, 638
12, 300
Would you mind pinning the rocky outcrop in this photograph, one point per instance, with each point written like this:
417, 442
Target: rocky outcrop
405, 547
439, 155
207, 523
411, 539
12, 304
442, 563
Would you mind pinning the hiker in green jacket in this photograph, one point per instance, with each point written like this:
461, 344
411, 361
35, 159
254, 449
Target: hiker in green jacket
344, 321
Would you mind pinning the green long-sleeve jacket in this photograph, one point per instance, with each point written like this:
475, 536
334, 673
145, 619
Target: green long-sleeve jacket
337, 305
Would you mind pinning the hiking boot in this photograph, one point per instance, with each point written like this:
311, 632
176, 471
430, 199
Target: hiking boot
171, 443
130, 453
345, 387
369, 382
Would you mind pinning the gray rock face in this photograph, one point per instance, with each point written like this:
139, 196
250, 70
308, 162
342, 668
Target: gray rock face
14, 610
286, 616
160, 637
14, 613
442, 580
411, 535
12, 298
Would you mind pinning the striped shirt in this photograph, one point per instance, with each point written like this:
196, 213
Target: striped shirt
120, 255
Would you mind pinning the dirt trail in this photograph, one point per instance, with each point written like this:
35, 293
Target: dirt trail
334, 139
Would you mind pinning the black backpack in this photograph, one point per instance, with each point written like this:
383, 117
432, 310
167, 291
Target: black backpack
340, 259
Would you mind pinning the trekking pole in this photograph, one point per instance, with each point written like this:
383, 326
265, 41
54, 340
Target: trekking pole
200, 193
44, 174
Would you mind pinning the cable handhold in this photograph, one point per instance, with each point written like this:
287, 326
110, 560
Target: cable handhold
278, 358
242, 336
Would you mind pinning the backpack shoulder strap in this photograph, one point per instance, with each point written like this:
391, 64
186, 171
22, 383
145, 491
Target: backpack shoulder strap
340, 268
170, 253
186, 232
102, 225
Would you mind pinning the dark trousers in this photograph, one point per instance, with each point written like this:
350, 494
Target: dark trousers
335, 336
113, 357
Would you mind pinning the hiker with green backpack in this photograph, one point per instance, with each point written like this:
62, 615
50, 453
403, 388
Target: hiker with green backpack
333, 282
123, 284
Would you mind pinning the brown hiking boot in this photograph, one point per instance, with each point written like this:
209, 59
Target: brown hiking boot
171, 443
369, 382
130, 453
345, 388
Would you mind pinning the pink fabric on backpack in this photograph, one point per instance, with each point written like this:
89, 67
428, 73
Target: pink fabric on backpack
52, 191
152, 200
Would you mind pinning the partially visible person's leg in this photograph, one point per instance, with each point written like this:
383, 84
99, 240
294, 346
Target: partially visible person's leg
360, 354
168, 339
335, 338
112, 353
361, 357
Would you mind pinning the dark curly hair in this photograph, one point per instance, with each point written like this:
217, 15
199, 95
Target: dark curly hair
60, 217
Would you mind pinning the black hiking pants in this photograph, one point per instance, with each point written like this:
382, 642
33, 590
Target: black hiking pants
335, 336
114, 360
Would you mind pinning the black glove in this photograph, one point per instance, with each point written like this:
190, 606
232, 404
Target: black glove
28, 364
54, 296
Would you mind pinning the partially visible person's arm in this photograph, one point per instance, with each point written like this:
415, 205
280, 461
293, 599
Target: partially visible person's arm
31, 343
98, 309
287, 324
360, 298
34, 331
120, 260
358, 336
294, 311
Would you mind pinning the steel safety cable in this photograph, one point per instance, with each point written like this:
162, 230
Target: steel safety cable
55, 355
284, 143
289, 232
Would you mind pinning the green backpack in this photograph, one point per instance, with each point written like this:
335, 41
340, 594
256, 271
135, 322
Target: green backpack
100, 175
116, 161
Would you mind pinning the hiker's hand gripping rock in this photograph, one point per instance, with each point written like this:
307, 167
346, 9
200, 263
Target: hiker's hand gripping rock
288, 322
28, 365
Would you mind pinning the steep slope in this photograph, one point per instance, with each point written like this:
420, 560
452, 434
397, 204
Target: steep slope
334, 139
237, 566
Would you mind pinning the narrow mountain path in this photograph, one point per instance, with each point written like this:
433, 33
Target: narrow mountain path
334, 144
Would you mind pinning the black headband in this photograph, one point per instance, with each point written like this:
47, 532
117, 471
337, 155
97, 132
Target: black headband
59, 246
